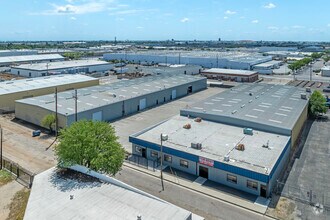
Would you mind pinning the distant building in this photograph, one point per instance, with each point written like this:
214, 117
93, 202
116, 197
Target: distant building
10, 91
267, 67
79, 193
112, 101
66, 67
15, 60
325, 71
8, 53
230, 74
230, 60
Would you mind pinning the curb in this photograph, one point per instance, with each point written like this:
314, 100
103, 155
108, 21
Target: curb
232, 203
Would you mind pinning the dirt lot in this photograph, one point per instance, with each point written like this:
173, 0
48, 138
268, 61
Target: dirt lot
20, 147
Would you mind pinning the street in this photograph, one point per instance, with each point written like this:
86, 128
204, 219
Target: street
197, 203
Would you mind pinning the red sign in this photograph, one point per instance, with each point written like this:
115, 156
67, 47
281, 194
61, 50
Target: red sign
206, 161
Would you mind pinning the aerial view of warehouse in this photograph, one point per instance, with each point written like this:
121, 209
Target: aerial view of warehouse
14, 60
109, 102
10, 91
230, 74
230, 60
241, 138
65, 67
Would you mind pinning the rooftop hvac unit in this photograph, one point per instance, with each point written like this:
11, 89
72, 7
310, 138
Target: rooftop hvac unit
308, 89
197, 146
303, 96
226, 158
248, 131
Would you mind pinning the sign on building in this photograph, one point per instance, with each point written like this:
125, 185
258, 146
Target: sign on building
206, 161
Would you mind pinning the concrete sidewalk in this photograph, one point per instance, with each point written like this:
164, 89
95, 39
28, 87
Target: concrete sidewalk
195, 186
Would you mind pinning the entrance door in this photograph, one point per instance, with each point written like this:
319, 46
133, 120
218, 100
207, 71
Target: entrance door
143, 103
189, 90
174, 94
204, 172
263, 191
144, 152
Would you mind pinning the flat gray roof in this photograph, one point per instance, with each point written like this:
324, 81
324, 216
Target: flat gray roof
23, 85
229, 71
219, 140
28, 58
94, 198
261, 105
268, 64
98, 96
61, 65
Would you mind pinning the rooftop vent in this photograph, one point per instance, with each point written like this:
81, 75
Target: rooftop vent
198, 120
250, 101
240, 147
308, 89
197, 146
233, 112
139, 217
187, 126
303, 96
250, 94
226, 158
266, 145
242, 106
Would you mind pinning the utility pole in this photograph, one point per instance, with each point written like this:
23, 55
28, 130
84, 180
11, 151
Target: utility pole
310, 72
56, 115
75, 105
1, 136
179, 58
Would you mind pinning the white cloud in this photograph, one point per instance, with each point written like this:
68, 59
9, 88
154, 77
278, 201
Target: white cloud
73, 18
270, 6
184, 20
255, 21
73, 7
228, 12
139, 27
273, 28
297, 27
225, 17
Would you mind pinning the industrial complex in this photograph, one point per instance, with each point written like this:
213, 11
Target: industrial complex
10, 91
66, 67
228, 60
230, 74
110, 102
241, 138
14, 60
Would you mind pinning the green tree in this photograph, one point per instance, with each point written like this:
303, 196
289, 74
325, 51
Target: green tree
49, 122
91, 144
317, 104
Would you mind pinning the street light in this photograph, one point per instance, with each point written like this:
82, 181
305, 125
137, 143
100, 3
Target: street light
310, 72
163, 137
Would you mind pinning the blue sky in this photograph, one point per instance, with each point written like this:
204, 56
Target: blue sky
296, 20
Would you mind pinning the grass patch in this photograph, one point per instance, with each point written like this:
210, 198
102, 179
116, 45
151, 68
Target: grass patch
5, 177
18, 205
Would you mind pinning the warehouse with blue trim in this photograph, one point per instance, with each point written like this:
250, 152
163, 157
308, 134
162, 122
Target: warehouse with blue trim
214, 139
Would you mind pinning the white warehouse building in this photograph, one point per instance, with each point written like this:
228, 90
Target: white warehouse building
208, 60
65, 67
7, 53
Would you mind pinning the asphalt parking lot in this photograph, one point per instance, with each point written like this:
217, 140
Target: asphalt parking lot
309, 177
137, 122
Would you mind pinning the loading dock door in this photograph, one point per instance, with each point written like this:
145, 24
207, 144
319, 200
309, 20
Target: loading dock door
174, 94
143, 103
97, 116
